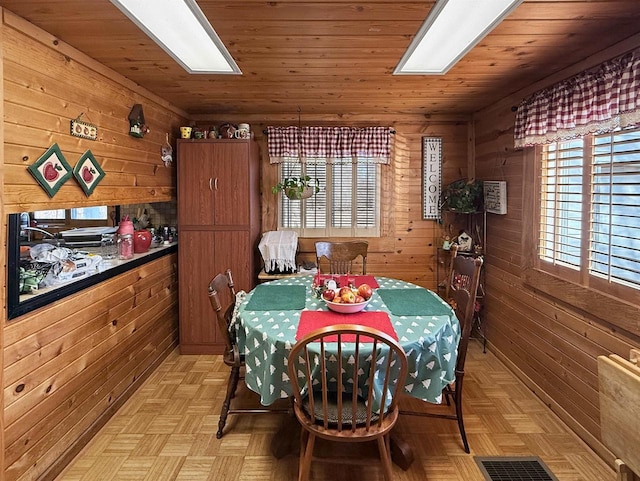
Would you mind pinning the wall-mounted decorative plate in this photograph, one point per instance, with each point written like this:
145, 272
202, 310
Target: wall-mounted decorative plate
51, 170
88, 172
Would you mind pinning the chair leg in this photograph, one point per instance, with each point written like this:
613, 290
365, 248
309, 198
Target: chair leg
458, 399
307, 441
447, 394
385, 457
232, 385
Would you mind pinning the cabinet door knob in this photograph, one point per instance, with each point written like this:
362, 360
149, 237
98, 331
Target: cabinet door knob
210, 187
216, 183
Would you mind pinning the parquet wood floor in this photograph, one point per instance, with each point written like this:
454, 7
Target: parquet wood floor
166, 431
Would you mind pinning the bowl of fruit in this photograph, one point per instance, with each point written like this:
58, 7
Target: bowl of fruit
347, 300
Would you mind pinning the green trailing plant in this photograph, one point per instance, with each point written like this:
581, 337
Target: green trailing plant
297, 188
464, 195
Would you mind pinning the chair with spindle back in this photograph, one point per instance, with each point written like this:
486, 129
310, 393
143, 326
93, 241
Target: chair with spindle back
370, 362
222, 295
341, 255
461, 290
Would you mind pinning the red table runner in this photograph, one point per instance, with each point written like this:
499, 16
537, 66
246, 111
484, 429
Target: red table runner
312, 320
342, 279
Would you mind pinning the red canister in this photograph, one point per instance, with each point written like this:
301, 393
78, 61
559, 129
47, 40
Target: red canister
141, 241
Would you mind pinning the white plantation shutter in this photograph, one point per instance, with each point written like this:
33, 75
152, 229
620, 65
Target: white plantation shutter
593, 184
316, 206
366, 195
290, 212
561, 203
341, 195
347, 204
614, 252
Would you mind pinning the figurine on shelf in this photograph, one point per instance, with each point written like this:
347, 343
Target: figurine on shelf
465, 242
446, 243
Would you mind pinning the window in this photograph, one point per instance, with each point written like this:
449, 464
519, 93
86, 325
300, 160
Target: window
590, 211
69, 216
347, 204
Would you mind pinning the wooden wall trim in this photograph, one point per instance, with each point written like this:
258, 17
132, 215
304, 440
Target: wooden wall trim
3, 223
576, 428
381, 118
14, 21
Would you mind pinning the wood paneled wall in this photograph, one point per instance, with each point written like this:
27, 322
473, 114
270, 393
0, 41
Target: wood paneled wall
46, 84
69, 365
550, 345
406, 248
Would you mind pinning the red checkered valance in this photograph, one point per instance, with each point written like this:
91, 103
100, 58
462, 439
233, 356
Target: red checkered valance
329, 144
595, 101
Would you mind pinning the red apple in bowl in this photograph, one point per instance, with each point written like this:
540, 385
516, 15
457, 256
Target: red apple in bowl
343, 290
328, 294
348, 297
365, 291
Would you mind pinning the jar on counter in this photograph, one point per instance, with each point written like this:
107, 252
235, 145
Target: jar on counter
108, 246
125, 246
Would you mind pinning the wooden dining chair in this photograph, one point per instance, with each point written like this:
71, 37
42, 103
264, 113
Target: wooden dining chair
222, 295
341, 255
460, 291
334, 410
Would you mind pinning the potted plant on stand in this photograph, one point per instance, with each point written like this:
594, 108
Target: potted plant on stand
297, 188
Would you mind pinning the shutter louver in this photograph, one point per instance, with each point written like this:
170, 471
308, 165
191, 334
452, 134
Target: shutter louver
561, 203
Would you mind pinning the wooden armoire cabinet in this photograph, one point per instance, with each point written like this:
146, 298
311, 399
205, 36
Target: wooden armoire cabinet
218, 228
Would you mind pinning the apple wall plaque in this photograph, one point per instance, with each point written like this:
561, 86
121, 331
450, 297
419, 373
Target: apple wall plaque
88, 172
51, 170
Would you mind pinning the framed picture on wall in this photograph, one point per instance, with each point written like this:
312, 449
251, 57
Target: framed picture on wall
88, 172
51, 170
495, 196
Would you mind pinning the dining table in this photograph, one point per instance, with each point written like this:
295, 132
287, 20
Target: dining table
272, 317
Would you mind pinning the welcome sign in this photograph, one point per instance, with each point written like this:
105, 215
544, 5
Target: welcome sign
431, 177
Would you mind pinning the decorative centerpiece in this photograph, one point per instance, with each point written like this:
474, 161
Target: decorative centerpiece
347, 299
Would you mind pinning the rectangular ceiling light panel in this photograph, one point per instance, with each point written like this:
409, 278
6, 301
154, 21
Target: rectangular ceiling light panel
452, 28
183, 31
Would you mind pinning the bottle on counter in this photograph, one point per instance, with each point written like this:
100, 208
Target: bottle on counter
125, 226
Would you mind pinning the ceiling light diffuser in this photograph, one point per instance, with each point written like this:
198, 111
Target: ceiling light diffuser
183, 31
452, 28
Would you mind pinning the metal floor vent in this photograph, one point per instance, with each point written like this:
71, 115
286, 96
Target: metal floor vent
514, 469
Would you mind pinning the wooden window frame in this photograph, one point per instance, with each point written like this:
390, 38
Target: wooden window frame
618, 305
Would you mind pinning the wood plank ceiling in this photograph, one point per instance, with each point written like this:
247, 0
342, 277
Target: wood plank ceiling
335, 57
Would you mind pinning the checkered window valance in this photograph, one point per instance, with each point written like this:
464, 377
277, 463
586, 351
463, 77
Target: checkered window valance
595, 101
329, 144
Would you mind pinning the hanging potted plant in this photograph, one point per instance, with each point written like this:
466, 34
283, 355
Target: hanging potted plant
463, 196
297, 188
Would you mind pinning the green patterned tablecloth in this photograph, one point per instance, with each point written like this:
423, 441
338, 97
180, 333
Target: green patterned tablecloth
266, 336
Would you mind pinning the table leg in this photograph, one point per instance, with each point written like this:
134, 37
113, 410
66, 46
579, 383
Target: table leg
401, 452
286, 439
